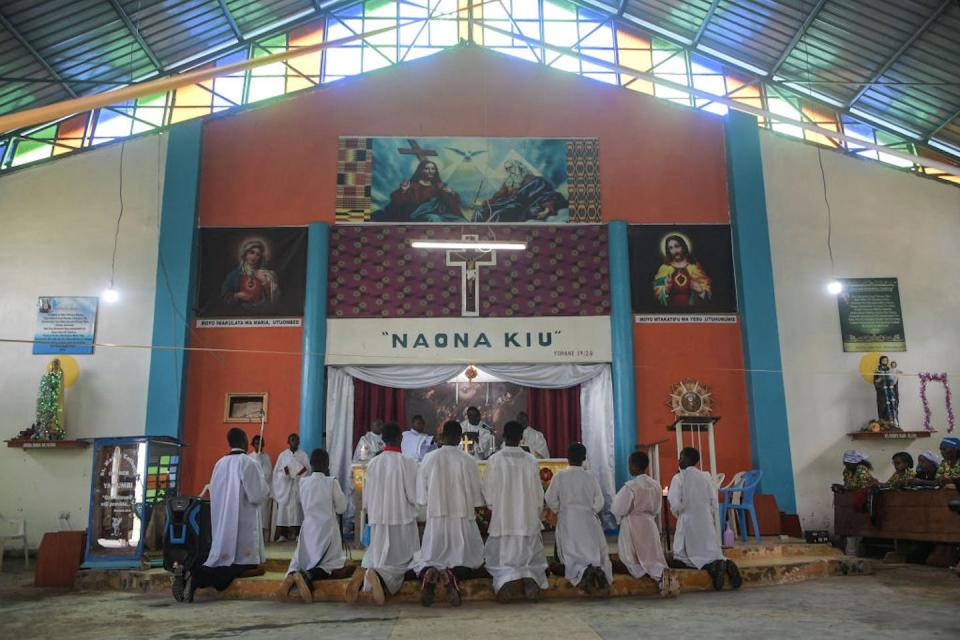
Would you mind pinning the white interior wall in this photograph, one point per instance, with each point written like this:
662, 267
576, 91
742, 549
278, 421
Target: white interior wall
886, 223
58, 229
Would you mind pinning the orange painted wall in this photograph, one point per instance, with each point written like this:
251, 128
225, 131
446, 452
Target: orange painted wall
276, 165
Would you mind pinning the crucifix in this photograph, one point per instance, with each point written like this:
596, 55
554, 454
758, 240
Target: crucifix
416, 150
470, 261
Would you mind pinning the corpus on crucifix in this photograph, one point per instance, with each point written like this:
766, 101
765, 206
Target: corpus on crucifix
470, 261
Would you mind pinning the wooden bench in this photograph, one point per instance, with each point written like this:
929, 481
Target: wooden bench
922, 515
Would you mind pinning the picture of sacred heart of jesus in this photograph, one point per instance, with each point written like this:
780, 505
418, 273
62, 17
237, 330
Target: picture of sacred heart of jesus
470, 261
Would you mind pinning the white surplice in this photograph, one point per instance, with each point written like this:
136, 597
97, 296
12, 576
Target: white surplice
636, 506
536, 442
286, 476
416, 445
390, 500
319, 545
448, 486
266, 467
574, 494
514, 549
236, 490
693, 500
369, 445
486, 443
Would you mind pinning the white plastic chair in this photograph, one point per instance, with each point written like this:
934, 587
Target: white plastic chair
734, 499
19, 529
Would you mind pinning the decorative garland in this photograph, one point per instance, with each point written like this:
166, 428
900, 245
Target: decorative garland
948, 398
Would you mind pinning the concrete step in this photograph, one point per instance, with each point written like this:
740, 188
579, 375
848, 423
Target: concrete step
757, 571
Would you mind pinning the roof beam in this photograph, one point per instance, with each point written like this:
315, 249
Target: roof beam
622, 7
706, 21
943, 125
892, 60
802, 31
6, 24
229, 16
135, 32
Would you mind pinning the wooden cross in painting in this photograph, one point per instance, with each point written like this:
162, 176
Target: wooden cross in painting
470, 261
416, 150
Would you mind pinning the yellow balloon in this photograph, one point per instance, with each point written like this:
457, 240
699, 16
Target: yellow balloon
868, 364
71, 370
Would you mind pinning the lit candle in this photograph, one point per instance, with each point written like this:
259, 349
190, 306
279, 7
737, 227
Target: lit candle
665, 491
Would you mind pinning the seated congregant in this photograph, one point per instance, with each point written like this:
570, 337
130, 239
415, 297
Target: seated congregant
574, 494
949, 469
237, 489
927, 463
857, 471
319, 554
696, 543
903, 473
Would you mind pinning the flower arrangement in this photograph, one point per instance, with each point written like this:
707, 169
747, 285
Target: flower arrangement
926, 377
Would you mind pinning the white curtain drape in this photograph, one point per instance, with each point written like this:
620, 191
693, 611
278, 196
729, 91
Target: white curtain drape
340, 423
596, 404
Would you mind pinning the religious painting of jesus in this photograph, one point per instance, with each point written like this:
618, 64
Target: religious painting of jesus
682, 269
451, 180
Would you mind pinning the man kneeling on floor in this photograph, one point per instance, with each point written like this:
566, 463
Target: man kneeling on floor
390, 500
237, 488
514, 551
693, 500
319, 554
574, 494
448, 487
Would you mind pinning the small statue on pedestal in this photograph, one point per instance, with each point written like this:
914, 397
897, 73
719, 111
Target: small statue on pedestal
887, 385
50, 419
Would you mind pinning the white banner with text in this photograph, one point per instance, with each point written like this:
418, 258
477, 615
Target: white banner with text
468, 340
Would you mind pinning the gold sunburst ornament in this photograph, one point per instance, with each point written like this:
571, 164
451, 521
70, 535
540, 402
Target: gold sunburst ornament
690, 398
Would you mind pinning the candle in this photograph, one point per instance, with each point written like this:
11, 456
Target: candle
665, 491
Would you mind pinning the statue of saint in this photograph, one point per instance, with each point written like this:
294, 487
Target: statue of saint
886, 384
50, 419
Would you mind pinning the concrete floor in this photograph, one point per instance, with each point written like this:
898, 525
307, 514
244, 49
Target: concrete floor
896, 602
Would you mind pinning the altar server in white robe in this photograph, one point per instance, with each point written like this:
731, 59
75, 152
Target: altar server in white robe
533, 439
514, 554
636, 506
291, 465
448, 488
574, 495
416, 442
693, 500
237, 489
370, 443
483, 434
262, 458
390, 500
319, 553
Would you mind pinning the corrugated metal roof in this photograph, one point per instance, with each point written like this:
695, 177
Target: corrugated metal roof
895, 63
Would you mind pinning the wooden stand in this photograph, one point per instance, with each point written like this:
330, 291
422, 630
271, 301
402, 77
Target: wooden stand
697, 426
48, 444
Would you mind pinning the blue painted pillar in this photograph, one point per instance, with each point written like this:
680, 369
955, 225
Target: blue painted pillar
621, 336
313, 379
176, 275
769, 433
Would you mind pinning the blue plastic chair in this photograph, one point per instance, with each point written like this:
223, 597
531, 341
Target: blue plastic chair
746, 487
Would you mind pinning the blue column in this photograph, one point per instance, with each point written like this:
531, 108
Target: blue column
621, 336
769, 433
176, 275
313, 378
